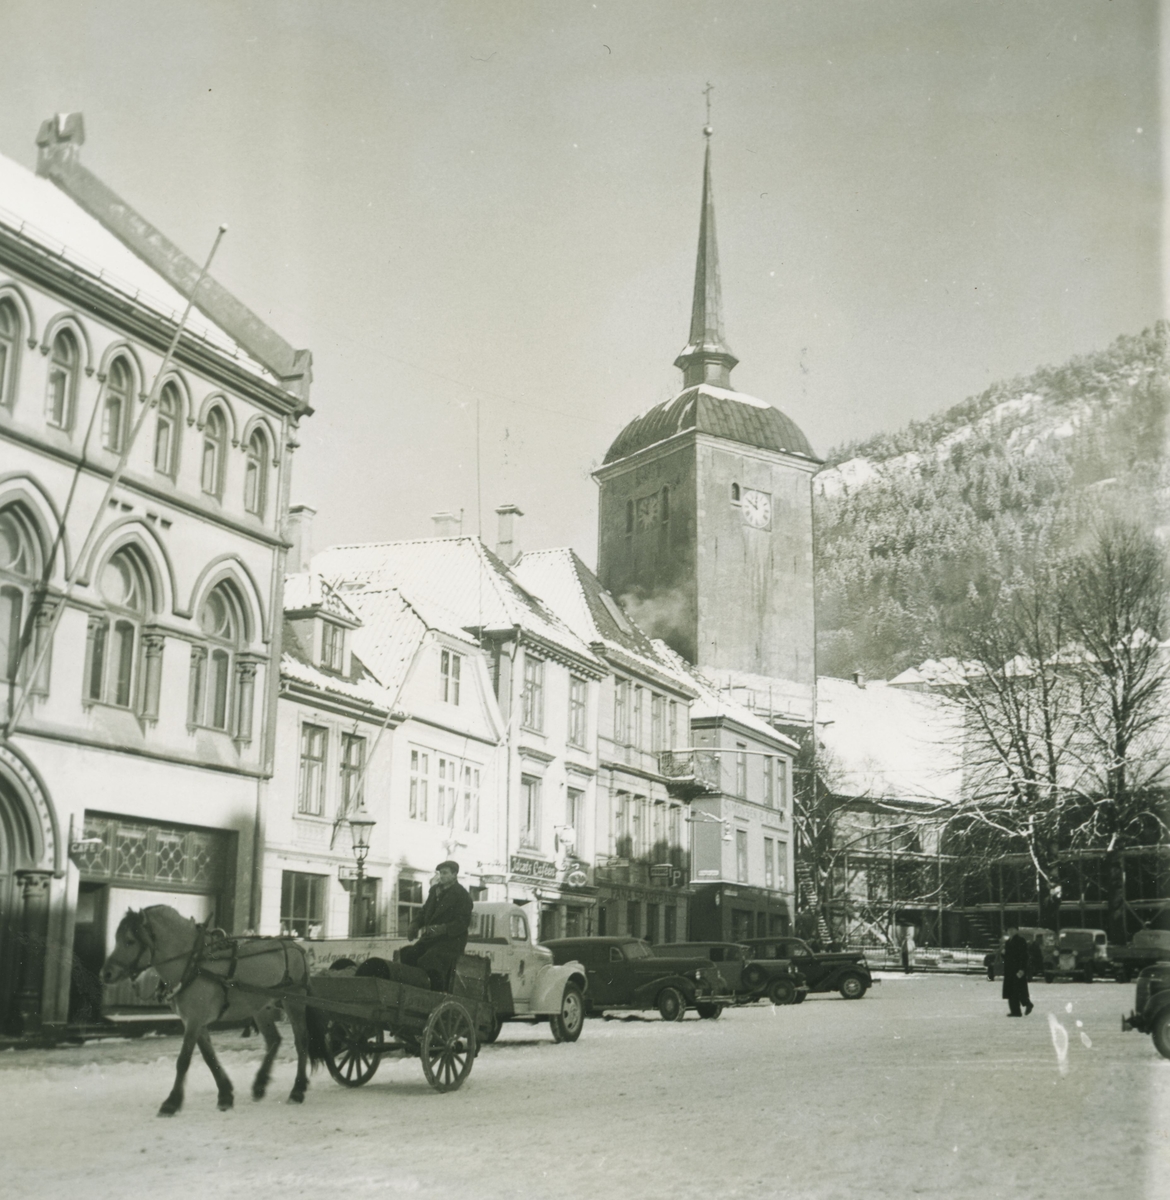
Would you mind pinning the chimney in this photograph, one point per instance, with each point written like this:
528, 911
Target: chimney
507, 542
447, 524
59, 140
859, 678
298, 529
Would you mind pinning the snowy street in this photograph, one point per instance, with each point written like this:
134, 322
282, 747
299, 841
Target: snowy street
922, 1088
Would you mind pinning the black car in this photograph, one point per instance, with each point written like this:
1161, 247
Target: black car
843, 971
749, 979
1151, 1010
623, 972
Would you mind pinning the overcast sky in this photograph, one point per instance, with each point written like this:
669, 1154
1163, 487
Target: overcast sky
495, 205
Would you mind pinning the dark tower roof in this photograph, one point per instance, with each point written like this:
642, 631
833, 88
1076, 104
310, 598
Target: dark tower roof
708, 403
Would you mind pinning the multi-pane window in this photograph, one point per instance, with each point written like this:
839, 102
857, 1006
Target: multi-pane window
117, 407
636, 730
782, 783
658, 722
450, 670
166, 430
222, 685
530, 812
447, 797
578, 711
621, 711
311, 792
470, 799
332, 646
420, 767
214, 453
769, 863
672, 728
575, 812
302, 904
769, 781
19, 570
781, 865
9, 351
532, 698
622, 809
113, 641
61, 388
256, 473
410, 902
741, 856
740, 769
353, 767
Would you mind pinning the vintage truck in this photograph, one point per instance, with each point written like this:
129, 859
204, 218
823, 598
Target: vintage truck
1146, 947
524, 985
1151, 1010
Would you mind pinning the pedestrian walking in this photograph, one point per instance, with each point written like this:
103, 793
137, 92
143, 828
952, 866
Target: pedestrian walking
1015, 974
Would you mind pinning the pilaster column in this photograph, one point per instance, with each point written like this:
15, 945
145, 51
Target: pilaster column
245, 698
152, 650
34, 924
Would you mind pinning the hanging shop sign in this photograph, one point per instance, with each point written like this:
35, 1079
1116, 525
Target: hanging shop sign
532, 868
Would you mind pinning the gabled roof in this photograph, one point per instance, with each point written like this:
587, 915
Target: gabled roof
308, 591
720, 412
360, 687
890, 743
563, 581
456, 584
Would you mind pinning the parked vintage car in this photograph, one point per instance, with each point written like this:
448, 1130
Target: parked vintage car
748, 979
1146, 947
623, 972
1081, 954
1151, 1010
993, 962
844, 971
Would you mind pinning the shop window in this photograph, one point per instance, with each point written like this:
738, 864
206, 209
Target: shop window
302, 904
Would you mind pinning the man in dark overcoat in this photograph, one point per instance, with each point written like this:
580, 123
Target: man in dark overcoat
441, 927
1015, 974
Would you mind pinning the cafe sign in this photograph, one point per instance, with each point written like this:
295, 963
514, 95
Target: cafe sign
532, 868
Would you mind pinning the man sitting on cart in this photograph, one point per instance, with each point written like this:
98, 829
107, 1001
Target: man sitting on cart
441, 928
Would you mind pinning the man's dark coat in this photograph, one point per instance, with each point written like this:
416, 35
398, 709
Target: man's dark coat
1015, 960
444, 922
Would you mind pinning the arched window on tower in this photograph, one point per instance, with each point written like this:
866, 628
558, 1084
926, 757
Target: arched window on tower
214, 453
61, 389
735, 493
115, 643
256, 473
166, 430
222, 682
20, 564
118, 405
9, 352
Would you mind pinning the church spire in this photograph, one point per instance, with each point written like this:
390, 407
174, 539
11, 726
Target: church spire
706, 357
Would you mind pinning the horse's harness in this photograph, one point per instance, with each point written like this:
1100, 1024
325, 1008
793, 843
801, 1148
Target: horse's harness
210, 945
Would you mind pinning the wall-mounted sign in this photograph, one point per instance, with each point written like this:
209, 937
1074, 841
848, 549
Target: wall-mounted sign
576, 878
532, 868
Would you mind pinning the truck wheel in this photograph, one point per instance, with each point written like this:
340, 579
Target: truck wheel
1049, 976
852, 987
709, 1012
566, 1025
672, 1004
1161, 1033
492, 1032
783, 991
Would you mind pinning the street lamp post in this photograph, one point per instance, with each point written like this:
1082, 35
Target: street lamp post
360, 826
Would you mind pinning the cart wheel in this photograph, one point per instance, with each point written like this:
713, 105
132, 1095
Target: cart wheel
448, 1046
353, 1050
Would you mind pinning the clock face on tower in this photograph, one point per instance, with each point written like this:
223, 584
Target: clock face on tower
756, 508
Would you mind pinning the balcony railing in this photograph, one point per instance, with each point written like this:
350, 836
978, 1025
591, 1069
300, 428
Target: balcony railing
690, 772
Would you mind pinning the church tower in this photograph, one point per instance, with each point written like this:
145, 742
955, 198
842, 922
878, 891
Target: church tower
705, 516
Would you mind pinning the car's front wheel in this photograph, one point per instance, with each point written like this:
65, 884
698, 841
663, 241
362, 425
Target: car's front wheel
852, 987
709, 1012
782, 991
1161, 1033
672, 1004
566, 1025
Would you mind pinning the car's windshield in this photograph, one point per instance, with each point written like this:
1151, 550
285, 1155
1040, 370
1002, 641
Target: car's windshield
636, 950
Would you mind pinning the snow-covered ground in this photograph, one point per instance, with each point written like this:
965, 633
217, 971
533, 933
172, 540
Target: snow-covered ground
923, 1088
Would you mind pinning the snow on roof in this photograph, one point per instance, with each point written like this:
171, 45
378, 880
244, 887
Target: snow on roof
886, 742
455, 583
712, 703
365, 690
389, 636
40, 212
574, 593
309, 590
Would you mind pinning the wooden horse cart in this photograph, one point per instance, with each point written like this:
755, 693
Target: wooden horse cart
443, 1028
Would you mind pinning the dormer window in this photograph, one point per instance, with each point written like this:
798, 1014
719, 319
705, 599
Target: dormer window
450, 670
332, 646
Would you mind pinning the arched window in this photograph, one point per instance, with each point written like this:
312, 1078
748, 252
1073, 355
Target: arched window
62, 384
222, 683
214, 452
118, 405
115, 638
19, 569
166, 430
735, 493
256, 473
9, 351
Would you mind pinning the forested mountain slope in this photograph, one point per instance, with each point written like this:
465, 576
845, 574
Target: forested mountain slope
909, 524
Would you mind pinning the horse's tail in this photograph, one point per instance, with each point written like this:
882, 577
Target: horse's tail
315, 1025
